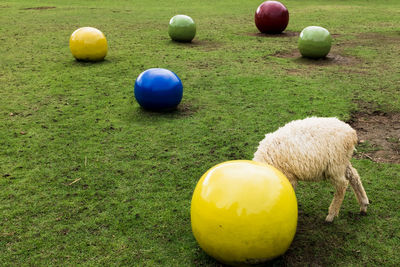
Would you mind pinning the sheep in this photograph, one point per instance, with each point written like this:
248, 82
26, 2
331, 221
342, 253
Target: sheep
315, 149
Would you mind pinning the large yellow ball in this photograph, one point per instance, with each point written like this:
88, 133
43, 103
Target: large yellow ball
244, 212
88, 44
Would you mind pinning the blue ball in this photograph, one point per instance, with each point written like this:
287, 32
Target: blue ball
158, 89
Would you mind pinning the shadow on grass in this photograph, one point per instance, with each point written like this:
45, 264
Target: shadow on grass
276, 35
315, 242
206, 45
85, 63
331, 59
182, 111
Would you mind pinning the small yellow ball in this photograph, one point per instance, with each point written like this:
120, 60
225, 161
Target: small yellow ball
244, 212
88, 44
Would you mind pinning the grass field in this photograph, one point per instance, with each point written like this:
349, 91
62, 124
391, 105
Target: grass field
89, 178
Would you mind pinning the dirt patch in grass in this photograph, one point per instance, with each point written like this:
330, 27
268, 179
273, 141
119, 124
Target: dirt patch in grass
370, 39
336, 57
332, 58
206, 45
379, 136
377, 38
186, 110
39, 8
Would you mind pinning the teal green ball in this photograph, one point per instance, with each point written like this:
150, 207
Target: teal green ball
182, 28
314, 42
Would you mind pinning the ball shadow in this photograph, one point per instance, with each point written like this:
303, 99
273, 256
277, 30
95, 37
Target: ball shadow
184, 44
331, 59
183, 110
315, 61
206, 45
78, 62
284, 34
310, 228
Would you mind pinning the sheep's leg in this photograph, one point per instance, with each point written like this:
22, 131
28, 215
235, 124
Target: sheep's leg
341, 186
294, 184
292, 179
355, 182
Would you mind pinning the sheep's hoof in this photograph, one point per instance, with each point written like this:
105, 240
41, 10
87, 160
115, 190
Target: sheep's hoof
363, 210
329, 218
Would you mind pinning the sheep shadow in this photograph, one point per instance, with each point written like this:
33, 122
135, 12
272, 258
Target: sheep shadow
317, 240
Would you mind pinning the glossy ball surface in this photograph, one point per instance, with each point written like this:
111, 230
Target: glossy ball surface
271, 17
88, 44
244, 212
314, 42
158, 89
182, 28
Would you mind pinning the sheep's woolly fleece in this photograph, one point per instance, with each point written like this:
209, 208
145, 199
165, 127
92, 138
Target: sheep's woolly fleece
314, 149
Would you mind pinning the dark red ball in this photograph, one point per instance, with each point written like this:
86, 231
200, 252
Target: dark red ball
271, 17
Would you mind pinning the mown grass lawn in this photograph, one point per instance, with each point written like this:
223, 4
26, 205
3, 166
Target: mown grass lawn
89, 178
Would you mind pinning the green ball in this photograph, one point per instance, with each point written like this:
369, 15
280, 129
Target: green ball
182, 28
315, 42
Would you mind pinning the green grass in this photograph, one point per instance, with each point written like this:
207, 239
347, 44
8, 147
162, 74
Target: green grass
89, 178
